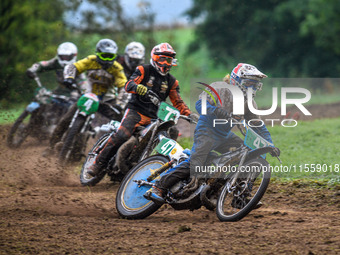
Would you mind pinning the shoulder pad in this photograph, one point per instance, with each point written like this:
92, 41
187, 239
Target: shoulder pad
92, 57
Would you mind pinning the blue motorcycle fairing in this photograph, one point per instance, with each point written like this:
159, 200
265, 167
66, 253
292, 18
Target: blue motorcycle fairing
32, 106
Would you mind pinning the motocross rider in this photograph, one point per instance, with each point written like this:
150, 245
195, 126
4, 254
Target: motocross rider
134, 55
218, 138
66, 54
104, 75
140, 110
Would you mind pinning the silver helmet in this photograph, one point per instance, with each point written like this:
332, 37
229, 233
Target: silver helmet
134, 54
67, 53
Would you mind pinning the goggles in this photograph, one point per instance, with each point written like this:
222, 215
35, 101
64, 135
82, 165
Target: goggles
251, 83
163, 60
135, 61
106, 56
66, 57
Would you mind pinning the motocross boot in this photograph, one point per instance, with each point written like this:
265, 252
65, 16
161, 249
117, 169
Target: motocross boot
95, 169
156, 195
48, 152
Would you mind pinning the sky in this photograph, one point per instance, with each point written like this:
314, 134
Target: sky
167, 11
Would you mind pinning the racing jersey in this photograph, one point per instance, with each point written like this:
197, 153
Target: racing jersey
206, 122
100, 82
163, 86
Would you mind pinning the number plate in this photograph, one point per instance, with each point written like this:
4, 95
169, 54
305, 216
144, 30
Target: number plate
254, 140
88, 103
169, 147
167, 112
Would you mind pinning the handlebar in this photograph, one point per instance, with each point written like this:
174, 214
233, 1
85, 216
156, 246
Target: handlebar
74, 86
37, 80
187, 119
154, 98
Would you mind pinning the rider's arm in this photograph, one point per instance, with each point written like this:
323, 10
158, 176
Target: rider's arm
70, 72
135, 79
262, 131
73, 70
119, 75
177, 100
41, 67
261, 128
210, 108
218, 112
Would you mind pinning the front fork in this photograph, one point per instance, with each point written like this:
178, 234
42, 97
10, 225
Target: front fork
231, 185
156, 173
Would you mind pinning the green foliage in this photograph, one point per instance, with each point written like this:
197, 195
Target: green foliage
277, 36
322, 21
31, 31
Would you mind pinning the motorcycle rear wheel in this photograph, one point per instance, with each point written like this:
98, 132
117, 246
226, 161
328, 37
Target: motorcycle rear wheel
130, 202
236, 202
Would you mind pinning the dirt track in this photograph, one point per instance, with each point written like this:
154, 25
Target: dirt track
44, 210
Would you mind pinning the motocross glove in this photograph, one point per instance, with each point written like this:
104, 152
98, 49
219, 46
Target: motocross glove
30, 74
194, 117
69, 83
221, 113
276, 152
141, 90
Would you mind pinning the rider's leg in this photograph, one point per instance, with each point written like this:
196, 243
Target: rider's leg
110, 110
130, 121
203, 144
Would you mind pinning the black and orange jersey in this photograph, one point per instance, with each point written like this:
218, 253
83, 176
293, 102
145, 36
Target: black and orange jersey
163, 86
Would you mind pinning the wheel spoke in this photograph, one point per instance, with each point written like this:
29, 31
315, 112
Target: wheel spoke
237, 201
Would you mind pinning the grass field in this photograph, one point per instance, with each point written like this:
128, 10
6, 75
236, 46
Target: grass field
308, 151
8, 116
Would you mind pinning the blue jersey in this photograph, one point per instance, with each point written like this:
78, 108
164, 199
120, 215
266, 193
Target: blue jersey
206, 123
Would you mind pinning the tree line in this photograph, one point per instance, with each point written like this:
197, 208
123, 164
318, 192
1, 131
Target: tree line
286, 38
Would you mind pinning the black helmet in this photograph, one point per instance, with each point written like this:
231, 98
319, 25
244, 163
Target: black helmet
106, 51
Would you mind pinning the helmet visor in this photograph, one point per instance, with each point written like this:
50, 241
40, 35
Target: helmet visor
135, 61
106, 56
250, 83
66, 57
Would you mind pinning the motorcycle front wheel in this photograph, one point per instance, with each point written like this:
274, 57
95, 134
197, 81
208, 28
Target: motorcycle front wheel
236, 201
130, 202
66, 150
19, 131
85, 178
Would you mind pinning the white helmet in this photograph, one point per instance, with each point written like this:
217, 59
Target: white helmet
67, 53
134, 54
246, 77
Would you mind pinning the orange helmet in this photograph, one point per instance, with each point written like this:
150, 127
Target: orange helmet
163, 58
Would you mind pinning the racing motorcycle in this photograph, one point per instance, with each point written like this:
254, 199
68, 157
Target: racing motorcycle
233, 192
138, 147
72, 146
39, 118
